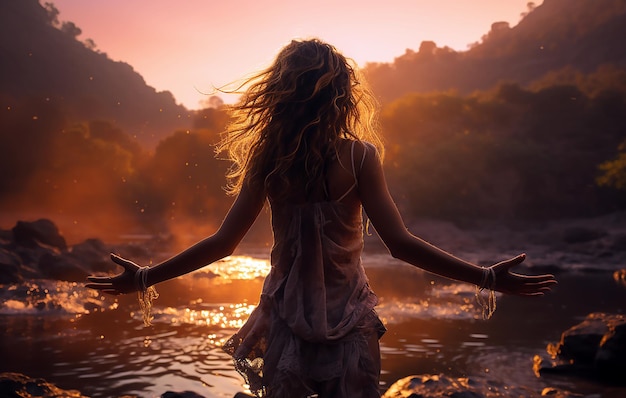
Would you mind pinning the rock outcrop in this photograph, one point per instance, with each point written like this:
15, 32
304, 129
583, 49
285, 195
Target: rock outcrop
595, 348
19, 385
37, 250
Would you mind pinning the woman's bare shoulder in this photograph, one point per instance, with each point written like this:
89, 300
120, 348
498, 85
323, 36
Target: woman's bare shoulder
346, 145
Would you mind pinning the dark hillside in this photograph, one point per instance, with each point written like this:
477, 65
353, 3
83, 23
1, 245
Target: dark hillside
582, 34
42, 59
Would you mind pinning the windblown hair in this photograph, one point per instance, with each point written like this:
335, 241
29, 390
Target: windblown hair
291, 118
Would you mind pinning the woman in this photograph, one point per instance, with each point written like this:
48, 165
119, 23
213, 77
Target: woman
304, 139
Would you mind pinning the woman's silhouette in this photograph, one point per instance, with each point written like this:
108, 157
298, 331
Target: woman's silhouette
304, 139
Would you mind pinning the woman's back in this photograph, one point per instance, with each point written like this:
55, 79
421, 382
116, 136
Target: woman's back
340, 180
317, 278
316, 304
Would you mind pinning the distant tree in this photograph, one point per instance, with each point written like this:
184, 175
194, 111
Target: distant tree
71, 29
53, 13
212, 101
427, 47
212, 120
530, 7
28, 130
606, 77
614, 171
184, 179
497, 31
90, 44
508, 152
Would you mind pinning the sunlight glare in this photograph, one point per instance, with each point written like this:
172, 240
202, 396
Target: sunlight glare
240, 267
230, 316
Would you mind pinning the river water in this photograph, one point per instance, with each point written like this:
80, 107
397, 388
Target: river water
76, 339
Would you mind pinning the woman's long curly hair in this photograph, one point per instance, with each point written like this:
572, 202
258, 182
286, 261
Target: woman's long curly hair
289, 122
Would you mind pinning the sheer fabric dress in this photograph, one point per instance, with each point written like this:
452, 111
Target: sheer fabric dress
314, 331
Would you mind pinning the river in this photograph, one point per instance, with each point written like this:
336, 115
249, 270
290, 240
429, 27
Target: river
79, 340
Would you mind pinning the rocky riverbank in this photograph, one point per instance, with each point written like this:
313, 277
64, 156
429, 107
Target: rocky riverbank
593, 349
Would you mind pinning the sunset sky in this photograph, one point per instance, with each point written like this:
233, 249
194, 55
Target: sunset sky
189, 46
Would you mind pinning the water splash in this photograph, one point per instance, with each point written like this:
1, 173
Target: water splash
50, 297
453, 302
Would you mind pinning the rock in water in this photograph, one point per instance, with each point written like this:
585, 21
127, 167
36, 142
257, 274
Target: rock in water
620, 276
36, 250
184, 394
433, 386
42, 231
19, 385
595, 348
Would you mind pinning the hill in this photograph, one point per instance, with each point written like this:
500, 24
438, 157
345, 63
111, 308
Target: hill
42, 59
582, 34
526, 125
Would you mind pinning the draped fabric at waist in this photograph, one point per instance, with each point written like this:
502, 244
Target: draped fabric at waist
317, 283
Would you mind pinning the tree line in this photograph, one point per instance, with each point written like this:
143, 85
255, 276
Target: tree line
554, 149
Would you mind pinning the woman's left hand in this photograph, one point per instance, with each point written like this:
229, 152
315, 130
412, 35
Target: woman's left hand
522, 285
119, 284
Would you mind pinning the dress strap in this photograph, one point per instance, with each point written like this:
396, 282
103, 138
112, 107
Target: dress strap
354, 173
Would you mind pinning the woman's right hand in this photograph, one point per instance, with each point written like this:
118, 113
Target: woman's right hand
118, 284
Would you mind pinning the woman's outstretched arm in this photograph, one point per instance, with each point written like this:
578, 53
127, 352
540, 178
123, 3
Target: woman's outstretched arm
384, 215
237, 222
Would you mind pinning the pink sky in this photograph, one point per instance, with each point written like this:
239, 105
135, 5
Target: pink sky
190, 45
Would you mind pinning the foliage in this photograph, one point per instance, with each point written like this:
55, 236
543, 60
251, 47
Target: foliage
545, 40
507, 153
614, 171
42, 57
85, 169
528, 124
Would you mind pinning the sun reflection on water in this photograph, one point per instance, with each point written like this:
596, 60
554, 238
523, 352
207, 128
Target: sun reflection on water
230, 316
240, 267
50, 297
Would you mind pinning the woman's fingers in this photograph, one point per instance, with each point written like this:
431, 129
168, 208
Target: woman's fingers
99, 279
527, 285
99, 286
127, 264
117, 284
510, 263
535, 278
519, 284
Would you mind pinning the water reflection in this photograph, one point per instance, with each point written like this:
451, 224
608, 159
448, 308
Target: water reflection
239, 267
231, 316
98, 344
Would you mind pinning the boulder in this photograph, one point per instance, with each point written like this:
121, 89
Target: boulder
93, 256
184, 394
61, 267
36, 250
620, 276
433, 386
40, 232
19, 385
9, 268
559, 393
595, 348
441, 386
6, 235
